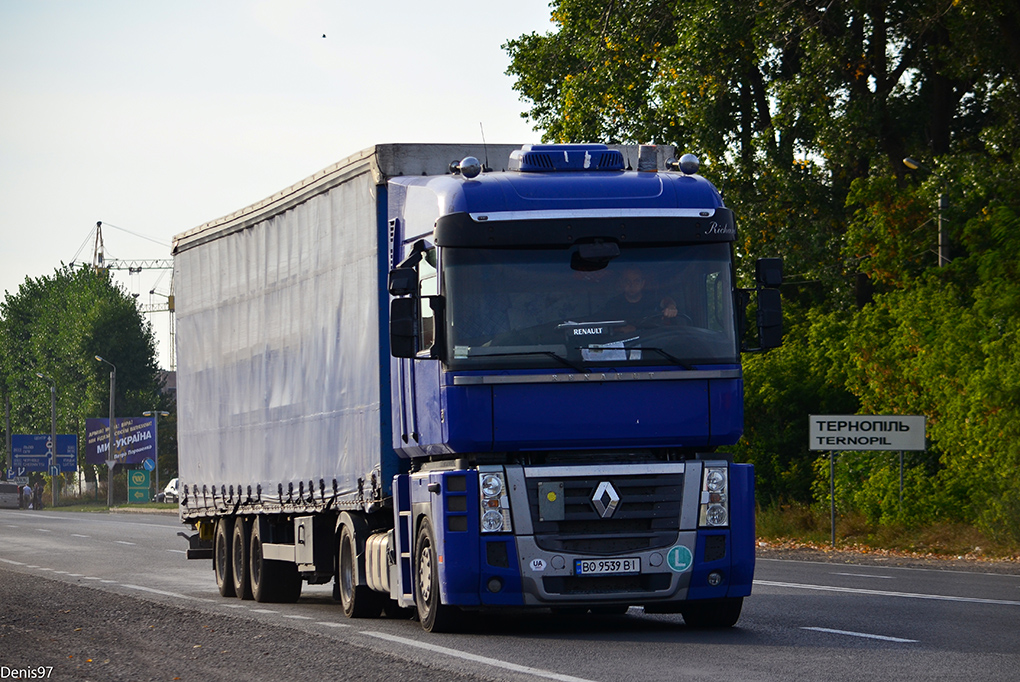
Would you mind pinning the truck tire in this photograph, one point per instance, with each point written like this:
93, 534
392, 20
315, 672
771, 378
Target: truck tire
222, 559
358, 601
435, 616
239, 558
271, 581
713, 613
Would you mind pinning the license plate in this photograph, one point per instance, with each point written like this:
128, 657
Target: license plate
607, 566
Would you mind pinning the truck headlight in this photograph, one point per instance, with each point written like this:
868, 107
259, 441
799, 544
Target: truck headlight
492, 485
494, 503
715, 504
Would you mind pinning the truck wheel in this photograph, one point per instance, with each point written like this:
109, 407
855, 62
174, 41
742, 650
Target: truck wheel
359, 601
713, 613
222, 560
435, 616
260, 572
239, 558
271, 581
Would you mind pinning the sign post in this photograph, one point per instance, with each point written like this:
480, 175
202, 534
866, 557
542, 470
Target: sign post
863, 432
138, 486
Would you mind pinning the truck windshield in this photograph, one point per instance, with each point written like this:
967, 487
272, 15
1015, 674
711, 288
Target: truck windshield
539, 308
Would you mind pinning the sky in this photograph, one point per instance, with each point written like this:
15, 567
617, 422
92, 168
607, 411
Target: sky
154, 117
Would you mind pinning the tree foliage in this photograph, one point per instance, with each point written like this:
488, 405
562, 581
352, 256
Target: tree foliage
56, 325
802, 113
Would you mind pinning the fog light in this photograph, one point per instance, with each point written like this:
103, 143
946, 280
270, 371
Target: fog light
492, 521
715, 578
495, 585
717, 515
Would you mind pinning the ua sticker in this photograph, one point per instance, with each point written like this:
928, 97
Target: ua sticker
538, 565
679, 558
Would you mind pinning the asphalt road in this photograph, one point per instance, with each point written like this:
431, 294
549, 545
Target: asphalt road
120, 583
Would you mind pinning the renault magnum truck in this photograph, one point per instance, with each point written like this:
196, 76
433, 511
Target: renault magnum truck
446, 387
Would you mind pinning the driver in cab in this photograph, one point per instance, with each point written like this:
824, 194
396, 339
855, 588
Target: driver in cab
635, 304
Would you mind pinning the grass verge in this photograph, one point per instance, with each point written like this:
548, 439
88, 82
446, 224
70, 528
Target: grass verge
795, 524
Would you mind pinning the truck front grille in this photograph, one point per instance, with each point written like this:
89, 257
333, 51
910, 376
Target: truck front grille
647, 515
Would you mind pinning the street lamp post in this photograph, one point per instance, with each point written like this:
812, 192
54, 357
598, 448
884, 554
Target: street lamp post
53, 435
111, 462
156, 414
914, 164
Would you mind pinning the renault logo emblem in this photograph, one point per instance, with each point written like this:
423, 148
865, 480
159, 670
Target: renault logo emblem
605, 499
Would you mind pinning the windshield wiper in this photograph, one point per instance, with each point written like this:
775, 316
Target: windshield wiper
549, 353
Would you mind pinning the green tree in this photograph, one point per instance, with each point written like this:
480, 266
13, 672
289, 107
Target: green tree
56, 325
787, 103
802, 114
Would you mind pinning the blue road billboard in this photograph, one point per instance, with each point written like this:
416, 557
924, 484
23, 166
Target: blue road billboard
32, 452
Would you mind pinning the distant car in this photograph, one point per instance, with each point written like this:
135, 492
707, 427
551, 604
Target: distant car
10, 494
170, 492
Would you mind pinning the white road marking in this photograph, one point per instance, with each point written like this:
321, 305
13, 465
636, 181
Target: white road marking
165, 593
43, 530
299, 617
866, 575
495, 662
865, 635
883, 593
332, 625
16, 563
263, 611
79, 535
123, 542
178, 551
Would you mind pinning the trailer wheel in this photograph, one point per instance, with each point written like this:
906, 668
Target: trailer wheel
271, 581
714, 613
239, 558
435, 616
222, 560
358, 601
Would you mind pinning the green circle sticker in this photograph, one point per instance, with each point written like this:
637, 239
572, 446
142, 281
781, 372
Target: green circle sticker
679, 558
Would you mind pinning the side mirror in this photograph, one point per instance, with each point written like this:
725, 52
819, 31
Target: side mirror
403, 281
403, 327
768, 275
770, 318
768, 272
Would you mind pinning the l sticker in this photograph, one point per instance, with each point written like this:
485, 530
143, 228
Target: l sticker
679, 558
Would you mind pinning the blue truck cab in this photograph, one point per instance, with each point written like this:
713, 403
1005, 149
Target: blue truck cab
566, 340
